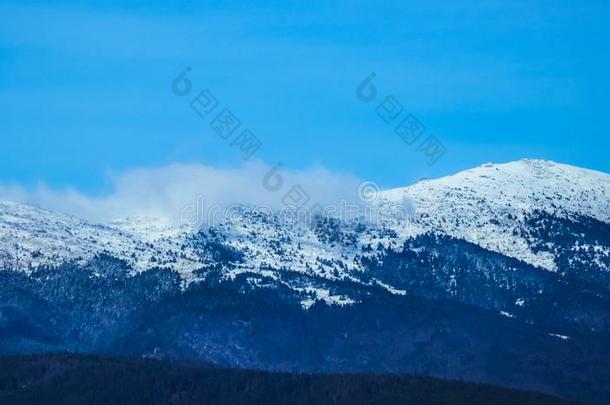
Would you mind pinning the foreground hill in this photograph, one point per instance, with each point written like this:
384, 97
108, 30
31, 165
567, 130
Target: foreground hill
71, 379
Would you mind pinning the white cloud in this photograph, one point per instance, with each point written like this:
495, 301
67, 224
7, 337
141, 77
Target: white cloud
165, 191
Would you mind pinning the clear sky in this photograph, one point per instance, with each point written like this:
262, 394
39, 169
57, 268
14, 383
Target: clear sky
85, 88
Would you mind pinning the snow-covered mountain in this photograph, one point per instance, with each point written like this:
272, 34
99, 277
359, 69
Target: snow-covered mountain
490, 206
500, 274
31, 237
487, 205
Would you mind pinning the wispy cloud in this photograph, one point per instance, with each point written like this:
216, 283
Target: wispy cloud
165, 191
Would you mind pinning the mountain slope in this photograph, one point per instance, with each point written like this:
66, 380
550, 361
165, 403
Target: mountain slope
233, 323
529, 210
31, 237
487, 204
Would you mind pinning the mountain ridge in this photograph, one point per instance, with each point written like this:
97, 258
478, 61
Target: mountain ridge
482, 205
462, 288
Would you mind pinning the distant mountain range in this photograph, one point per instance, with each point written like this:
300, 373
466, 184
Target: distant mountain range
498, 274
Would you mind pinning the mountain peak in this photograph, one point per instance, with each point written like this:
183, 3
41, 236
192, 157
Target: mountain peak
485, 205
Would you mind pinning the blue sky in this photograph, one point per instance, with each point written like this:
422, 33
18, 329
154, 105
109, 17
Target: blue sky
85, 88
